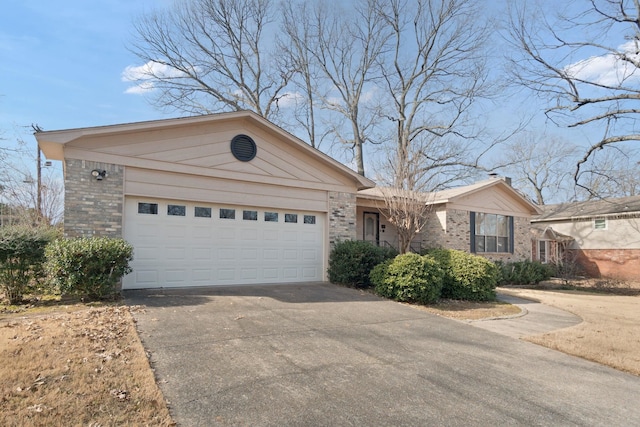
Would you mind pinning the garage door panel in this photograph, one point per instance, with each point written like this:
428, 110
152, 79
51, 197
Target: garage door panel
290, 236
290, 272
251, 235
202, 275
189, 250
249, 274
309, 273
270, 235
270, 274
146, 253
149, 277
178, 254
310, 255
202, 254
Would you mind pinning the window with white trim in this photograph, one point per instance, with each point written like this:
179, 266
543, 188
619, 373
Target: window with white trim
491, 233
600, 224
543, 251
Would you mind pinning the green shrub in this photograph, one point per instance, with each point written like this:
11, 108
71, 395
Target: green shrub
21, 258
351, 261
524, 272
88, 267
409, 277
467, 276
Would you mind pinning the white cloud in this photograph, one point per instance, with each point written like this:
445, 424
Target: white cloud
290, 99
144, 76
607, 69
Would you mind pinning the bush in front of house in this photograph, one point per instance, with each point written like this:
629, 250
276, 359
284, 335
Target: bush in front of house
524, 272
22, 253
409, 277
467, 276
88, 267
351, 261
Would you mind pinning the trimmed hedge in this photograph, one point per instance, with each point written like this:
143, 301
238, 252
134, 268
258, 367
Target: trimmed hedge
467, 276
22, 253
409, 277
351, 261
88, 267
524, 272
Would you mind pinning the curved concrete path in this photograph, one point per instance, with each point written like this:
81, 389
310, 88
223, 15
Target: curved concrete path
535, 318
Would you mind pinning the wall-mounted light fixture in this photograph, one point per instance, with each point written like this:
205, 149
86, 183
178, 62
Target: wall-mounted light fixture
99, 174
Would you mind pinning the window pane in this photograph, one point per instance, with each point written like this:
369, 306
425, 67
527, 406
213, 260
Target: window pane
309, 219
600, 224
291, 218
202, 212
480, 229
250, 215
503, 244
491, 245
480, 244
503, 226
271, 216
176, 210
490, 225
542, 247
148, 208
228, 213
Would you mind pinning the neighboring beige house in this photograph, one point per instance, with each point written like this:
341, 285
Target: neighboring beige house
488, 218
230, 198
602, 236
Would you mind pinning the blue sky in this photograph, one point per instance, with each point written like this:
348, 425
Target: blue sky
61, 65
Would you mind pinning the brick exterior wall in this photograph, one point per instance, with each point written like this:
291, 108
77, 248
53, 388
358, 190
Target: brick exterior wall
342, 217
92, 207
621, 264
457, 235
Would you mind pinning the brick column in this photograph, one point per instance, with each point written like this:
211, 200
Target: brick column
342, 217
93, 207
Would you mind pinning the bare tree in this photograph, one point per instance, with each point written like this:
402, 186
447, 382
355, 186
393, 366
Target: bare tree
434, 72
25, 199
344, 48
611, 172
540, 166
209, 56
296, 55
583, 60
408, 211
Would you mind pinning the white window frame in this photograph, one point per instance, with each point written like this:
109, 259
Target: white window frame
547, 247
595, 224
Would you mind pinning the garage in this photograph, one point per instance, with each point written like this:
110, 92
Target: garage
178, 244
220, 199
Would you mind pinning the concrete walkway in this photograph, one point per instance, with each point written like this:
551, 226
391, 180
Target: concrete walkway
535, 318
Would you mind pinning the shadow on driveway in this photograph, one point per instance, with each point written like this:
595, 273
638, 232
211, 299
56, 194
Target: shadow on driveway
312, 292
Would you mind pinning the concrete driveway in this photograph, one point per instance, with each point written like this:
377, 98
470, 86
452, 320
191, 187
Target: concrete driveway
323, 355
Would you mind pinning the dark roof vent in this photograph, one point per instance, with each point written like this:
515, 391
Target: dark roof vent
243, 148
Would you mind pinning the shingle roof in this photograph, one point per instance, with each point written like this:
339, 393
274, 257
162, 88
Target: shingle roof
589, 209
445, 196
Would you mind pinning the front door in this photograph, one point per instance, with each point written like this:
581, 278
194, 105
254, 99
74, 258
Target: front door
371, 234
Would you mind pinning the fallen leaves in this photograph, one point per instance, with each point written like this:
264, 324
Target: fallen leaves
85, 367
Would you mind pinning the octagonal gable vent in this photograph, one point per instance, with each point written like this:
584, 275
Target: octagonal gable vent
243, 148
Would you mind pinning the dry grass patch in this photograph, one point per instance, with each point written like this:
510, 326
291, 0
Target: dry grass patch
471, 310
76, 367
609, 333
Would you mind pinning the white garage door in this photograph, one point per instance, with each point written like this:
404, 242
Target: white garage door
179, 244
